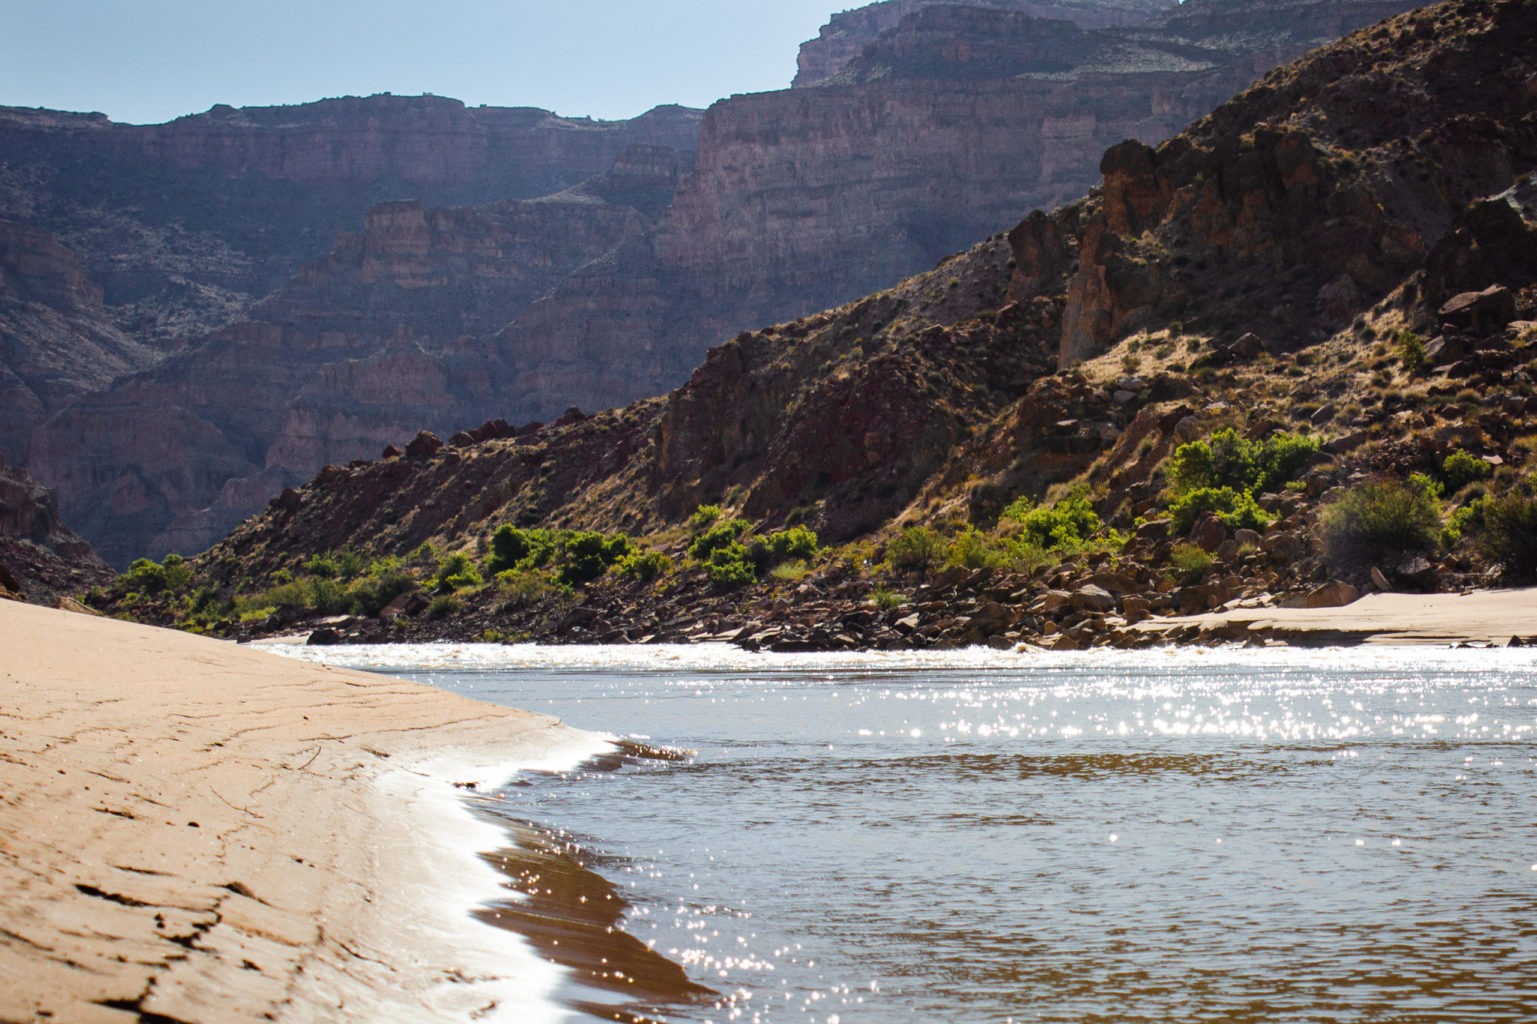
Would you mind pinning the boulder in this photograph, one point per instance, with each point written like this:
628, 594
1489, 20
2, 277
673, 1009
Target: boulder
424, 445
991, 616
1333, 594
1208, 532
1481, 312
1417, 574
954, 575
325, 636
1091, 598
1051, 601
393, 451
413, 603
1116, 583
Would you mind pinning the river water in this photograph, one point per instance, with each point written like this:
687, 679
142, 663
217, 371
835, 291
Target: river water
1185, 835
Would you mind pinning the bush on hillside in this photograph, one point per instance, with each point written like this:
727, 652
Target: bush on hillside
1385, 519
1070, 523
1228, 459
645, 566
730, 566
1460, 469
1236, 509
513, 548
1508, 535
455, 572
918, 549
720, 535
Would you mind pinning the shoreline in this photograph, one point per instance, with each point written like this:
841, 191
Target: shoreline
1476, 617
1485, 616
194, 830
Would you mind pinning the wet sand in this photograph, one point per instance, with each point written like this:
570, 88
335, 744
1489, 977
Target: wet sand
195, 831
1483, 616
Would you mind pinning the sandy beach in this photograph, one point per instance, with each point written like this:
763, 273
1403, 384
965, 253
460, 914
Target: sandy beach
1483, 616
194, 831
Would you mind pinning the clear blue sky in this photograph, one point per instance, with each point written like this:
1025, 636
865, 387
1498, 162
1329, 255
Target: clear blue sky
151, 60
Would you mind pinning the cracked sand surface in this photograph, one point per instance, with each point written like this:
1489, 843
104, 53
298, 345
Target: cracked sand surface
194, 831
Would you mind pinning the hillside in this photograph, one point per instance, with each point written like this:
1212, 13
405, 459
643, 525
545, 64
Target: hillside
1319, 300
41, 559
265, 351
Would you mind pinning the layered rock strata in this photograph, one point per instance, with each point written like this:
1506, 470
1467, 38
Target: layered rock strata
1382, 187
797, 201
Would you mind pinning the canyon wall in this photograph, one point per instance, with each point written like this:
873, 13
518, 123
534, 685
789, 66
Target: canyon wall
846, 34
181, 227
951, 124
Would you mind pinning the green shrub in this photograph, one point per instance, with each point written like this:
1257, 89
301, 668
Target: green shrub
1460, 469
322, 567
1411, 350
917, 549
1067, 524
455, 572
1464, 519
171, 576
1381, 519
521, 587
796, 542
1280, 458
704, 516
977, 550
731, 566
332, 565
442, 607
586, 554
512, 548
1228, 459
307, 596
1508, 534
721, 535
645, 566
790, 572
886, 600
1190, 560
1236, 509
373, 593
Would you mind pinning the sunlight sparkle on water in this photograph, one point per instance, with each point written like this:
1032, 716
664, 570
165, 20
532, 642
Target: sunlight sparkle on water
1331, 835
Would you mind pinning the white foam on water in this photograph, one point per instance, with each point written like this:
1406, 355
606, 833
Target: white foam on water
716, 657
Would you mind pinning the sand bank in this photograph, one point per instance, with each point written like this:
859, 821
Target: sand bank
1483, 616
194, 831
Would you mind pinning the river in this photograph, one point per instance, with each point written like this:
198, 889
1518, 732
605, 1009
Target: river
1174, 835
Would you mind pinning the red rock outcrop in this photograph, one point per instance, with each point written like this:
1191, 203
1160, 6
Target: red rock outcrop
175, 230
41, 559
845, 35
56, 338
1395, 150
797, 200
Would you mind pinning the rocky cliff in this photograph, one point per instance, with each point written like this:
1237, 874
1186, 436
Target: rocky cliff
1341, 258
806, 198
796, 201
845, 35
178, 229
57, 340
41, 559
